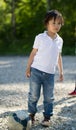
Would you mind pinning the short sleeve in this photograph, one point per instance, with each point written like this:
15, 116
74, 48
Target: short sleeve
61, 46
36, 42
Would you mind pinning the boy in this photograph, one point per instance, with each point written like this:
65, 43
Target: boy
73, 93
45, 55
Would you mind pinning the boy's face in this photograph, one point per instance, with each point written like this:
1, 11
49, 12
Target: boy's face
54, 25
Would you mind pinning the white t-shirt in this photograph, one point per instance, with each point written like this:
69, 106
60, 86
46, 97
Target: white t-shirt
46, 57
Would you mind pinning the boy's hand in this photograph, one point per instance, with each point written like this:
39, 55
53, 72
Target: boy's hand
28, 73
60, 78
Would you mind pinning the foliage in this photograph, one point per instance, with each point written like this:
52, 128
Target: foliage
22, 20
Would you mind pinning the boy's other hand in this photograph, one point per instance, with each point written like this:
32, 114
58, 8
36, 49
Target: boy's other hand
27, 73
60, 78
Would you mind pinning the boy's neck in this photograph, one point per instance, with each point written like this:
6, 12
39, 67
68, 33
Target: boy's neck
52, 35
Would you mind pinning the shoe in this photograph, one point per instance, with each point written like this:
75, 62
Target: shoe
73, 93
46, 122
32, 116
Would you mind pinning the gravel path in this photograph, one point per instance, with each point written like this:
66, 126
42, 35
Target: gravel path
14, 89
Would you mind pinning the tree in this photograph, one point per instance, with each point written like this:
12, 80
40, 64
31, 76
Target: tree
48, 4
12, 11
22, 20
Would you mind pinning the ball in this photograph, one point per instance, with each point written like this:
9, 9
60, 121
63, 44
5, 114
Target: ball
19, 120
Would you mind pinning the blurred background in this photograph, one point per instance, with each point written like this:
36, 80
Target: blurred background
22, 20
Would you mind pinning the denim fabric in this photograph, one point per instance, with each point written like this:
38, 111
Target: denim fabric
38, 79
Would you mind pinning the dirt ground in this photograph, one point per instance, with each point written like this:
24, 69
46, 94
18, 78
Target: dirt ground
14, 89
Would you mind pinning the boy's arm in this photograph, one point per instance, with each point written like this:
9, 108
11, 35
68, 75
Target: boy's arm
60, 67
30, 60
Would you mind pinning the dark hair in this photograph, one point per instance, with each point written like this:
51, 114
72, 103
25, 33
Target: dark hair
53, 14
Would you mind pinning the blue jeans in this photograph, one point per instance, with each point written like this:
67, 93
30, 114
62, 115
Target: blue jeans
38, 79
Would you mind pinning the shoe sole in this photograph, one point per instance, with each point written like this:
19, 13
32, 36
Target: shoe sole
45, 124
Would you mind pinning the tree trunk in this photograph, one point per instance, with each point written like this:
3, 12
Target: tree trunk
13, 19
48, 4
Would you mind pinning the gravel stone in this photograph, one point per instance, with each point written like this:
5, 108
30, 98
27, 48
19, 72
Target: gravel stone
14, 88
